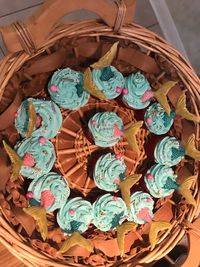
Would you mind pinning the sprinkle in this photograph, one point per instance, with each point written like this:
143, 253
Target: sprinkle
149, 176
94, 123
42, 140
15, 114
53, 88
149, 120
125, 91
118, 156
116, 181
29, 195
71, 211
118, 90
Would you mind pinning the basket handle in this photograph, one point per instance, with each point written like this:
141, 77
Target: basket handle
35, 30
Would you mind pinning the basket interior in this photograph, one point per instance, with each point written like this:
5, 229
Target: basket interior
74, 152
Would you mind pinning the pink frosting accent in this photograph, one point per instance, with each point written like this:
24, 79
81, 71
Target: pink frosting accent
115, 198
149, 120
42, 140
53, 88
29, 195
149, 176
47, 199
144, 215
38, 121
118, 156
125, 91
117, 131
149, 199
28, 160
15, 114
147, 96
72, 211
116, 181
118, 90
94, 123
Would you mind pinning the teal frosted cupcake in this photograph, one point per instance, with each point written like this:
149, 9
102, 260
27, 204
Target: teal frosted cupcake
66, 89
109, 171
38, 156
75, 216
109, 212
48, 122
157, 120
106, 128
141, 211
109, 81
50, 191
136, 86
169, 151
160, 180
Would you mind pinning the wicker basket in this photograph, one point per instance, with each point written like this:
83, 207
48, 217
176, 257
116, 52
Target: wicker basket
39, 46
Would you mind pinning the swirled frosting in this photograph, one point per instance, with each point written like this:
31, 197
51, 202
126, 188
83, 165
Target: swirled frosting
139, 202
169, 151
49, 113
109, 81
53, 183
157, 120
160, 180
66, 89
43, 155
108, 212
75, 215
107, 172
137, 85
102, 127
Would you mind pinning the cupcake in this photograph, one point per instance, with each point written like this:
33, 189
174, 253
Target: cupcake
108, 212
157, 120
136, 86
169, 151
109, 170
66, 89
49, 191
38, 156
141, 210
109, 81
75, 215
48, 118
160, 180
106, 128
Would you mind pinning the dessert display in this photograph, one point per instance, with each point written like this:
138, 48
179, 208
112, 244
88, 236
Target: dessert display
81, 162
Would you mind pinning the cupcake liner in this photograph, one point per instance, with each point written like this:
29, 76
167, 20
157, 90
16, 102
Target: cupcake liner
74, 149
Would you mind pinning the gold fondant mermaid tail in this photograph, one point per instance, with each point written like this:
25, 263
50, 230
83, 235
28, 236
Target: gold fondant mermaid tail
184, 189
190, 148
107, 59
130, 135
76, 239
32, 119
16, 161
155, 228
126, 186
39, 214
122, 230
182, 110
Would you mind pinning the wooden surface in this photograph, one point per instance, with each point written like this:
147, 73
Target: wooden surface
7, 259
